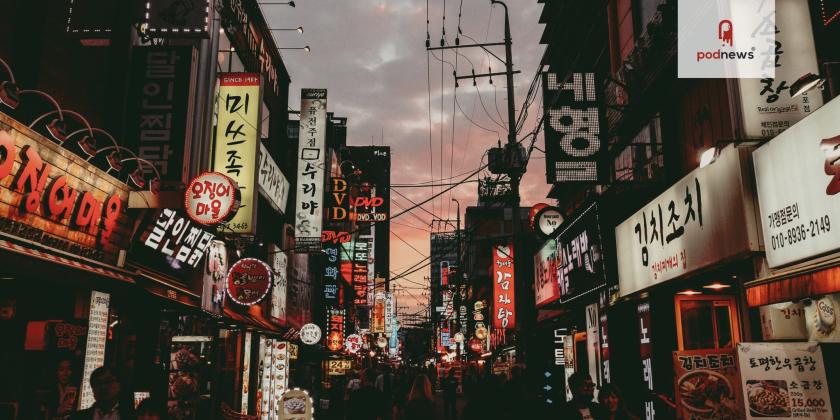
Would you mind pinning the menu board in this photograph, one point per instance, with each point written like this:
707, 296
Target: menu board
784, 381
297, 405
96, 339
246, 373
706, 385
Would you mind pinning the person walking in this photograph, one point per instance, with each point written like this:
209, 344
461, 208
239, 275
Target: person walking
581, 407
450, 395
106, 393
421, 401
366, 402
613, 404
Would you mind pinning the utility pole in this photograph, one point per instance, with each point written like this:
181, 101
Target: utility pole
510, 159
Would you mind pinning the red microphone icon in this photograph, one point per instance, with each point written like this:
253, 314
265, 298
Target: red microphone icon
725, 31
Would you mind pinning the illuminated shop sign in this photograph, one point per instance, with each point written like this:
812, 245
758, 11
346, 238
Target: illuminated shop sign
310, 170
175, 236
248, 281
580, 264
573, 145
504, 314
55, 198
212, 198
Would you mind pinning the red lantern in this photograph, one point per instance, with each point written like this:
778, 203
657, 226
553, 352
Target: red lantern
335, 341
475, 345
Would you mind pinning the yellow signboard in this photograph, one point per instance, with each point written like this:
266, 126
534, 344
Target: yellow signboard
238, 142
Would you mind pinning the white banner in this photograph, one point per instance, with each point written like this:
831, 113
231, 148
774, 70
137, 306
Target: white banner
246, 373
278, 261
798, 180
784, 381
766, 105
706, 217
310, 171
783, 321
593, 347
96, 339
273, 184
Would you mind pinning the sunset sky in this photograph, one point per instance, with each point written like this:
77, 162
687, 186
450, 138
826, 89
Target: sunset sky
371, 56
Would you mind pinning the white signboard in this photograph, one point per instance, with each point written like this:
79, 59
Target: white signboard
706, 217
766, 105
593, 348
95, 348
280, 374
310, 334
784, 381
798, 181
273, 184
389, 313
246, 373
278, 261
310, 171
783, 321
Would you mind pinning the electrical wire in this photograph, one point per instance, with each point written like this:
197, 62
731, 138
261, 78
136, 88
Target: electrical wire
409, 245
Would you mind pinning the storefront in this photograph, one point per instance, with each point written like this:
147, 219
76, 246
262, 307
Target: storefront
797, 299
569, 282
681, 261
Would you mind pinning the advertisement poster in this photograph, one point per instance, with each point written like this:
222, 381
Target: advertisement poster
504, 315
546, 263
707, 385
273, 375
237, 143
821, 318
187, 360
593, 346
96, 339
784, 381
213, 278
310, 171
378, 324
296, 405
246, 373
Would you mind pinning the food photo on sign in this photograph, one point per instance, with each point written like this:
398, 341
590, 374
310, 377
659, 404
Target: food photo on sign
706, 385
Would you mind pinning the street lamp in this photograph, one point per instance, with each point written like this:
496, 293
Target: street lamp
277, 3
306, 48
299, 29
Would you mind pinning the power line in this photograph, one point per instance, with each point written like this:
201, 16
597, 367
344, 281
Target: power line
409, 245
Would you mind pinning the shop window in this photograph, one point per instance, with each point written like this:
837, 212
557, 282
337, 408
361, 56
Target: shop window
706, 322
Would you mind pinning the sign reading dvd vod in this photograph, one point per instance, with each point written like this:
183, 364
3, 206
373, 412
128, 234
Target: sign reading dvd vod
310, 171
237, 143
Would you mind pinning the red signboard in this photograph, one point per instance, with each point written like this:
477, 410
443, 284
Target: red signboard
504, 314
53, 197
248, 281
212, 198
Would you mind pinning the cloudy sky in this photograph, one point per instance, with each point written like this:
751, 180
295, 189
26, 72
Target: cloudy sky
371, 56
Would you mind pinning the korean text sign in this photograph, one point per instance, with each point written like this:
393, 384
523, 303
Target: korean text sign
580, 265
670, 236
504, 313
573, 145
273, 184
798, 197
784, 381
706, 384
237, 142
310, 171
546, 262
766, 103
178, 237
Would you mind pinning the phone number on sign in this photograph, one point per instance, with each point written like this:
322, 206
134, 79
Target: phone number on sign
802, 232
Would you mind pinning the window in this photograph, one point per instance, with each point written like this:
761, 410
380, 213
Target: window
228, 58
706, 322
642, 159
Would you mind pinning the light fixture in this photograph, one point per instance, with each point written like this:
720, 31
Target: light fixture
805, 83
708, 156
299, 29
277, 3
137, 176
9, 92
58, 128
306, 48
716, 286
689, 292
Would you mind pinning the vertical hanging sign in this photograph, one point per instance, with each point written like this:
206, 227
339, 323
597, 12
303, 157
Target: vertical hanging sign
310, 175
237, 143
504, 316
646, 353
96, 338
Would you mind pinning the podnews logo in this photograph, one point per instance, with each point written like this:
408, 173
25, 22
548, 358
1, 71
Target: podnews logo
725, 30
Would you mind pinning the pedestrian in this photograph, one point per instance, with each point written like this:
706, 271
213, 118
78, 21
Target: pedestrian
385, 385
421, 401
516, 395
450, 395
613, 405
366, 402
581, 407
106, 393
62, 396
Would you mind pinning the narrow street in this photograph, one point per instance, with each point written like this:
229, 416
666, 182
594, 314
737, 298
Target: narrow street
354, 209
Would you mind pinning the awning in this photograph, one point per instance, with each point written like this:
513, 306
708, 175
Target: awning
249, 319
167, 288
99, 269
815, 279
